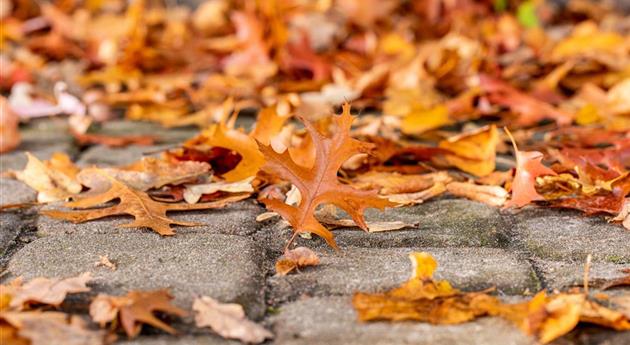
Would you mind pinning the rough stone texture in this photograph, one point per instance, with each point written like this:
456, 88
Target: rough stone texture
227, 268
11, 224
562, 275
441, 223
372, 270
569, 236
180, 340
16, 160
236, 219
332, 320
15, 192
101, 155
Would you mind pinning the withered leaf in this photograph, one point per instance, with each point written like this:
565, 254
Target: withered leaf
319, 184
473, 152
52, 180
135, 309
147, 212
296, 259
228, 320
42, 291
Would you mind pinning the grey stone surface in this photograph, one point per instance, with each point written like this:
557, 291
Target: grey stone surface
563, 275
15, 192
568, 236
227, 268
104, 156
11, 225
373, 270
332, 320
177, 340
235, 219
441, 223
16, 160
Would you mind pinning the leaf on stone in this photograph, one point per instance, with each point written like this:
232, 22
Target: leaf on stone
388, 183
52, 179
18, 295
147, 212
295, 259
473, 152
319, 184
194, 192
135, 309
491, 195
528, 167
48, 328
228, 320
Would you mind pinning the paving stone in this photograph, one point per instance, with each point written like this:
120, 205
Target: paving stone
15, 192
227, 268
565, 235
441, 223
371, 270
16, 160
235, 219
180, 340
332, 320
11, 225
562, 275
101, 155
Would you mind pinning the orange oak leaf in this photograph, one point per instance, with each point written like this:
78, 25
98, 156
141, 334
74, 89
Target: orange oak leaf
528, 167
319, 184
134, 309
147, 212
295, 259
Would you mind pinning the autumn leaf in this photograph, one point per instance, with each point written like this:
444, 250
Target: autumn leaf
135, 309
228, 320
9, 131
296, 259
491, 195
473, 152
52, 180
420, 121
528, 167
17, 295
319, 184
388, 183
147, 212
48, 328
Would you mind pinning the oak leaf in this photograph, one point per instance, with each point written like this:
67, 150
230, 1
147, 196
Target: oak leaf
296, 259
17, 295
228, 320
528, 167
135, 309
319, 184
147, 212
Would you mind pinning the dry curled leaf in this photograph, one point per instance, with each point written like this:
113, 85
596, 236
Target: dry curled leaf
491, 195
17, 295
473, 152
147, 212
296, 259
53, 180
228, 320
135, 309
319, 185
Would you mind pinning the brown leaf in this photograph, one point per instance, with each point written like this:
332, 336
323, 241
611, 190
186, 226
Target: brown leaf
48, 328
228, 320
147, 212
43, 291
296, 259
319, 184
53, 180
473, 152
135, 309
394, 183
491, 195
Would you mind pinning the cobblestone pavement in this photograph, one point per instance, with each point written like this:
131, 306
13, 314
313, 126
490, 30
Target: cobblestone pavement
231, 258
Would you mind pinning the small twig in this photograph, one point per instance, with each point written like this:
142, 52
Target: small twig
587, 269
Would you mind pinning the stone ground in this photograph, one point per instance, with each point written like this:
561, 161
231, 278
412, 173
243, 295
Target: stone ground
231, 258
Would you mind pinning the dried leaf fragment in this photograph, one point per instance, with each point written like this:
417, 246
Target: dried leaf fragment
296, 259
50, 179
43, 290
135, 309
228, 320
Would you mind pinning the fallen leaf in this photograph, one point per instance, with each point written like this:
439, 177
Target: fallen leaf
420, 121
50, 181
473, 152
491, 195
9, 131
528, 168
228, 320
147, 212
193, 192
135, 309
319, 184
388, 183
43, 290
419, 197
295, 259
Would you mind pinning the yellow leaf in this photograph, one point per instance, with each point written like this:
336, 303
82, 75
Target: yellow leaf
473, 152
421, 121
